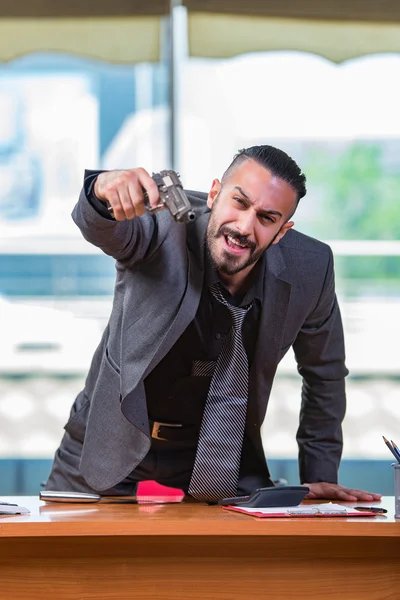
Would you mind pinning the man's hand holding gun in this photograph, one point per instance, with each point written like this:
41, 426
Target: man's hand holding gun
130, 193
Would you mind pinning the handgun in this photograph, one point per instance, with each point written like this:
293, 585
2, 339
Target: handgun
172, 196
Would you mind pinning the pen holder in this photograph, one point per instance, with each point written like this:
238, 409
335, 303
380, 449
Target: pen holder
396, 468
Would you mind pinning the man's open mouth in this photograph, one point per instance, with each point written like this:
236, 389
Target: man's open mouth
235, 245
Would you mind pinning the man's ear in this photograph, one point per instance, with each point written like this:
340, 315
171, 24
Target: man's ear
213, 193
283, 230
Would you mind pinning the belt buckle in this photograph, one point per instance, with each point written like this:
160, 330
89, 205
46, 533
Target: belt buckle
156, 429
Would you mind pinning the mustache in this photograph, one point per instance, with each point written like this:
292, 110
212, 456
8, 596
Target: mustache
242, 239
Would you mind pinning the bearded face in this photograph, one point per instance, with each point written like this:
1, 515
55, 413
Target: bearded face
250, 211
229, 251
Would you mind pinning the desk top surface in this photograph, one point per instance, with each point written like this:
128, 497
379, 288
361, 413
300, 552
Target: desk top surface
180, 519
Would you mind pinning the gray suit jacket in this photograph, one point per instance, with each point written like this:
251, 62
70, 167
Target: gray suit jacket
159, 265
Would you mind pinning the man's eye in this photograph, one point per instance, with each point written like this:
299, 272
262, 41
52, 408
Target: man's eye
267, 218
239, 200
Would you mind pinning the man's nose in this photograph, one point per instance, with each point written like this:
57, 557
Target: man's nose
245, 222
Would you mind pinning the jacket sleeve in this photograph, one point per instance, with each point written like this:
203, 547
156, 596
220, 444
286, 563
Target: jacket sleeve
320, 355
126, 241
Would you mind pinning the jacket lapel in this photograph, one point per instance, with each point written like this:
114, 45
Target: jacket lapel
185, 313
195, 275
269, 341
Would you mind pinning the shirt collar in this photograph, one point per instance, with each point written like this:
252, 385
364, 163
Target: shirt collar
256, 289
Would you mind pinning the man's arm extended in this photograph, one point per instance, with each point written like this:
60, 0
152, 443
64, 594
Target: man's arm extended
126, 238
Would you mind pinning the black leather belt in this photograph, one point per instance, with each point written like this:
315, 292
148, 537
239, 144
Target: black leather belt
173, 432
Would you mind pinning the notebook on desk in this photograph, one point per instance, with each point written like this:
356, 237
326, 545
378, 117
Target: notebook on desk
307, 510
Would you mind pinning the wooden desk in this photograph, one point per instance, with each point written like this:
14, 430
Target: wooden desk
194, 551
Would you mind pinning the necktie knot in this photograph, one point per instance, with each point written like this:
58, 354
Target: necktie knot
237, 313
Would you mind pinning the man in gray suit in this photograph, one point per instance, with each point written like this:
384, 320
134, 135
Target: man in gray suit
143, 406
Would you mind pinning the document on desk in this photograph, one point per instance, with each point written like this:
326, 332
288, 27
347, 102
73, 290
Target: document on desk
307, 510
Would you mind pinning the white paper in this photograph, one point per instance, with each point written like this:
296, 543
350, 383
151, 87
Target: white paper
326, 508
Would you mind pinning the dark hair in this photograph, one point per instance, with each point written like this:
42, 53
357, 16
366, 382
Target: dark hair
277, 161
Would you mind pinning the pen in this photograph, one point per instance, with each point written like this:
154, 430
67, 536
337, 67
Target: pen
374, 509
392, 450
396, 449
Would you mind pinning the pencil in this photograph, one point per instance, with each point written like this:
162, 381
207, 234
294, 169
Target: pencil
389, 445
396, 449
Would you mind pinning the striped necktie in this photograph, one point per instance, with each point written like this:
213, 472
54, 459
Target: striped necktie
215, 473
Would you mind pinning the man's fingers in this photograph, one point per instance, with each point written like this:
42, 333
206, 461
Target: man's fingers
344, 495
149, 186
376, 496
115, 206
332, 491
362, 495
136, 198
125, 192
128, 203
311, 496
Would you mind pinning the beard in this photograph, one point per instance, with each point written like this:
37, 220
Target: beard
227, 263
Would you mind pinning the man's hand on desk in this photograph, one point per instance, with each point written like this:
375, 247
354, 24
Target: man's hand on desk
333, 491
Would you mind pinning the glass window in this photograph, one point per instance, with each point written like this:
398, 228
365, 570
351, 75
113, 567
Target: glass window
61, 115
64, 114
340, 122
